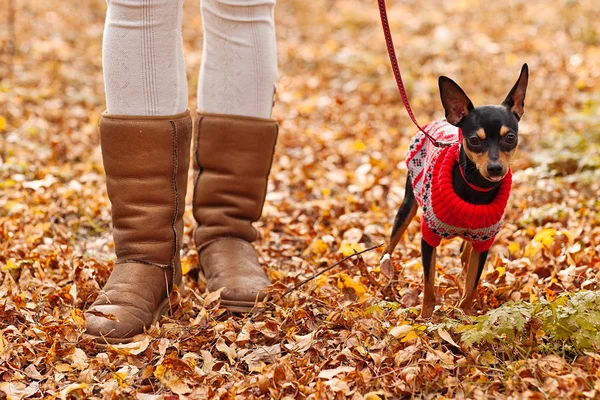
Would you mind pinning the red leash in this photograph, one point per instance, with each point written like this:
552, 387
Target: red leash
392, 53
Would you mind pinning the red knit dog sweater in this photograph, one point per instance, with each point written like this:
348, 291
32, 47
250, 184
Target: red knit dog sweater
445, 214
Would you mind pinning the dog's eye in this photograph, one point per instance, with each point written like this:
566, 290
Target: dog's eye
474, 141
511, 138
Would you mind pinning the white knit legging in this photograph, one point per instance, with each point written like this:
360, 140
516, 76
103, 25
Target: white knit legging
144, 70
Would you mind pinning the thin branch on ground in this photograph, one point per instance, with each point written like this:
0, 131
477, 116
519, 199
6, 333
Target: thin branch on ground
329, 268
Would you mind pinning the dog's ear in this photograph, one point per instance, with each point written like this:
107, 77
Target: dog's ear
455, 101
515, 101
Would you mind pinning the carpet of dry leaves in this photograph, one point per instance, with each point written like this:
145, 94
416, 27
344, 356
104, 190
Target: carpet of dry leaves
335, 186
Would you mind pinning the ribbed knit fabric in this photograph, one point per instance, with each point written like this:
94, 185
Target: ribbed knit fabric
239, 58
445, 215
142, 58
144, 69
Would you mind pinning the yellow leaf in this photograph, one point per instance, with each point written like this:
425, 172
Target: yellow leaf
533, 248
306, 108
581, 83
32, 130
275, 275
550, 295
123, 374
159, 372
501, 271
7, 183
412, 335
545, 236
2, 123
359, 145
345, 281
171, 380
319, 247
10, 265
332, 45
372, 396
347, 249
77, 317
321, 280
186, 266
487, 358
71, 388
533, 297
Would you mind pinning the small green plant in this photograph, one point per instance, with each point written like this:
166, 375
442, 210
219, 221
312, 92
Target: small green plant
574, 319
504, 323
570, 323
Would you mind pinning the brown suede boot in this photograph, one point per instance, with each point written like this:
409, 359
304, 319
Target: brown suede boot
232, 162
146, 160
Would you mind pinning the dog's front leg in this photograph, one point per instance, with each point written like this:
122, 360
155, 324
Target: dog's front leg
465, 255
474, 269
428, 259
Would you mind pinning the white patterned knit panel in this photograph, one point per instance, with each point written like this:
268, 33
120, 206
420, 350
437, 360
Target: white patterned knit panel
239, 58
142, 56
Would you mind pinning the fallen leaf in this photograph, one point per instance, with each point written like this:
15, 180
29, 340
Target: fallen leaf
400, 331
262, 355
133, 348
302, 343
73, 387
374, 395
550, 294
330, 373
171, 380
213, 296
18, 390
346, 282
78, 359
446, 336
347, 249
410, 336
228, 351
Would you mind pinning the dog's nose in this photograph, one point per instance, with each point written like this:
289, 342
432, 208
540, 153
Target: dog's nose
495, 169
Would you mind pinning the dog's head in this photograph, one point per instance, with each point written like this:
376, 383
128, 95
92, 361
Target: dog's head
490, 133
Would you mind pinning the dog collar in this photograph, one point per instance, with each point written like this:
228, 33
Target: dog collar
474, 187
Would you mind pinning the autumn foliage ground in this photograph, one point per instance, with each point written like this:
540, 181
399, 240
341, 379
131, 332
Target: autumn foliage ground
336, 182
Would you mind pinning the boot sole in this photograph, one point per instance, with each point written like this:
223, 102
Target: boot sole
238, 307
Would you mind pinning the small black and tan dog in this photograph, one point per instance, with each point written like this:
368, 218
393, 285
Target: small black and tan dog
463, 188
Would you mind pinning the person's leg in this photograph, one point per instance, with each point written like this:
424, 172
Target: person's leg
145, 138
142, 57
235, 140
239, 58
